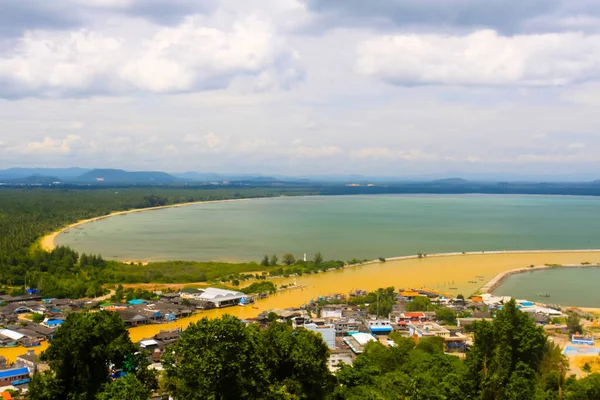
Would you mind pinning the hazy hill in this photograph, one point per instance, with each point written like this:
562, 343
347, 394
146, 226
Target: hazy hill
121, 176
60, 173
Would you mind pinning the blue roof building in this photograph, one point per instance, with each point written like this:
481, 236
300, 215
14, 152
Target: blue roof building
14, 376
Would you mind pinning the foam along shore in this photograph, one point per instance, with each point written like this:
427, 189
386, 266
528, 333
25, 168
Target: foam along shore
47, 241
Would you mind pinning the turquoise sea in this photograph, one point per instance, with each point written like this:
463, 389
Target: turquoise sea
344, 227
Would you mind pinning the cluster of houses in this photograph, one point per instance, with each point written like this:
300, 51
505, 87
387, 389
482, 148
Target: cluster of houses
345, 328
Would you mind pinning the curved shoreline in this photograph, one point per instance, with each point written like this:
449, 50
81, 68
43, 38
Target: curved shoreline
47, 241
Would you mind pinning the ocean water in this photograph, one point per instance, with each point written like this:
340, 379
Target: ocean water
344, 227
566, 286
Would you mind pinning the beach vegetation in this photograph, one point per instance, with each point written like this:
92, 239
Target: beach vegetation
288, 259
260, 287
265, 261
273, 260
318, 259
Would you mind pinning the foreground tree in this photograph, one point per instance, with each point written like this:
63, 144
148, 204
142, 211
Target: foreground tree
506, 356
297, 361
127, 388
81, 354
223, 359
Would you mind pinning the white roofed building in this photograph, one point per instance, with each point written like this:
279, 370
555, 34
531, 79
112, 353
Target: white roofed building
221, 297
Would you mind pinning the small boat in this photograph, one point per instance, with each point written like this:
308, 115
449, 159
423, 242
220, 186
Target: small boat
255, 307
472, 281
453, 288
543, 295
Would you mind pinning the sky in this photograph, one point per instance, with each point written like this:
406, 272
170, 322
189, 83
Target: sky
302, 87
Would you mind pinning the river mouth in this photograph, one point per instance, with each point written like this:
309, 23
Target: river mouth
343, 227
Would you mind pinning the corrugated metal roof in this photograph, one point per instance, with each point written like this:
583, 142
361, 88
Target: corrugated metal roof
13, 372
11, 334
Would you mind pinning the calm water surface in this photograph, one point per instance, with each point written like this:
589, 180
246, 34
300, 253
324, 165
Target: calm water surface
344, 227
568, 286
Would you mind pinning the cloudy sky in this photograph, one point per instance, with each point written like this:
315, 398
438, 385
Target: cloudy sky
386, 87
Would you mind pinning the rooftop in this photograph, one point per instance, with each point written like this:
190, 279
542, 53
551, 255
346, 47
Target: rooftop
13, 372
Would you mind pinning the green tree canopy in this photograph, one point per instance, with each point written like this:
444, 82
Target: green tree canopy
419, 303
223, 359
445, 315
81, 355
127, 388
318, 259
289, 259
574, 324
506, 355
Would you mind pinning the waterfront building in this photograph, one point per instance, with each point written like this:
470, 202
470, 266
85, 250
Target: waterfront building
221, 297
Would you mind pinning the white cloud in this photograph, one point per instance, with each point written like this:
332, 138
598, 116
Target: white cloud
212, 141
575, 146
482, 58
373, 152
316, 151
51, 146
191, 56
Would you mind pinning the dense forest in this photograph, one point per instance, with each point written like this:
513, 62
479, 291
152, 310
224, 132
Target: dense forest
511, 359
26, 214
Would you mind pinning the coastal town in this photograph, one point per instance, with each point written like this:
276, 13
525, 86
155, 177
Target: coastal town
347, 322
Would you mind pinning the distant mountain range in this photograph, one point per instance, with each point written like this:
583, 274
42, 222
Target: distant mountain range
118, 176
42, 176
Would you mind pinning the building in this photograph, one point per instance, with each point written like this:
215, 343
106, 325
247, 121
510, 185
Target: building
379, 326
132, 318
345, 326
358, 341
462, 322
407, 317
15, 376
221, 297
327, 332
28, 360
339, 356
427, 330
409, 294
